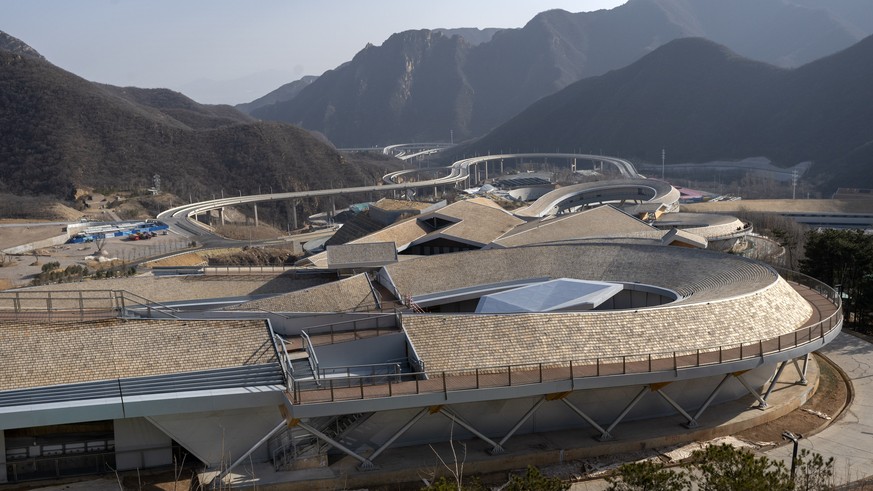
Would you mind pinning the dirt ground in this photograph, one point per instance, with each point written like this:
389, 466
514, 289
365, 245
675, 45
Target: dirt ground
828, 400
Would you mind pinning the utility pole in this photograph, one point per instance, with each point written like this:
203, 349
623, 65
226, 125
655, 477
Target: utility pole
452, 136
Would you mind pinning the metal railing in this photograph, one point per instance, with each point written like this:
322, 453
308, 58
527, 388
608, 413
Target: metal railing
393, 369
353, 329
88, 460
313, 358
358, 387
79, 305
284, 360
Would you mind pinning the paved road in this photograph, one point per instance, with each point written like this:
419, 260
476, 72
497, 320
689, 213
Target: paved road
850, 440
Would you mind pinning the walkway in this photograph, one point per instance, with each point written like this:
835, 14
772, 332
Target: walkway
849, 440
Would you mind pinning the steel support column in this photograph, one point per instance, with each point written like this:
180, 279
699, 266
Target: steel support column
498, 449
762, 404
335, 444
775, 379
368, 465
692, 423
624, 413
802, 372
604, 435
244, 456
468, 427
711, 397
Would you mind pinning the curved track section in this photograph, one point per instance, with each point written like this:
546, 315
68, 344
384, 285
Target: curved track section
589, 193
457, 172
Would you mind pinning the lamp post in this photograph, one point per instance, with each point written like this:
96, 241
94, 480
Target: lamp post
787, 435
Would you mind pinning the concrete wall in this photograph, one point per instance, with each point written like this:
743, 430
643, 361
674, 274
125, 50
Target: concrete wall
369, 351
140, 445
496, 418
25, 248
220, 437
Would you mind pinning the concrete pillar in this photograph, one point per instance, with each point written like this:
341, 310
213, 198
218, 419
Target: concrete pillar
486, 170
501, 166
291, 211
256, 214
221, 214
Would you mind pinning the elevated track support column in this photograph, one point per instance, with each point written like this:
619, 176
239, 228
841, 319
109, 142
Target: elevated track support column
221, 214
255, 205
292, 213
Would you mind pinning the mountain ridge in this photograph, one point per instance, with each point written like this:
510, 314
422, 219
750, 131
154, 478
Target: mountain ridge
487, 83
62, 132
704, 102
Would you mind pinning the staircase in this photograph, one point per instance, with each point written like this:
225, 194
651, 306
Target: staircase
294, 448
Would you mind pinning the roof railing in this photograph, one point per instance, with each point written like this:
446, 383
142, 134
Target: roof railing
357, 387
81, 305
339, 331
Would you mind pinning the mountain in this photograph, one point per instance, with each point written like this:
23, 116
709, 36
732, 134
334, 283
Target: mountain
425, 85
410, 84
18, 47
472, 35
61, 132
703, 102
283, 93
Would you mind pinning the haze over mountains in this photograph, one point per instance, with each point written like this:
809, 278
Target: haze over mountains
61, 132
703, 102
423, 85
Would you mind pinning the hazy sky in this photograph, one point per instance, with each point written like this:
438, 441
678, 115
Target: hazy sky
232, 51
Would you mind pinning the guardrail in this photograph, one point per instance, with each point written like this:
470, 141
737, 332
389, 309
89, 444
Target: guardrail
390, 368
352, 330
378, 386
67, 305
313, 358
